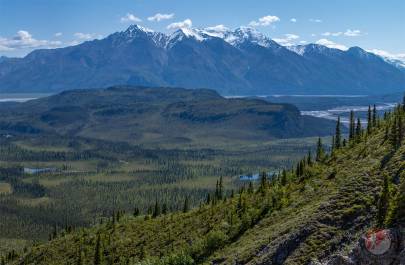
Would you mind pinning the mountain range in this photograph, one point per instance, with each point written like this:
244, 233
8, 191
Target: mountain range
239, 62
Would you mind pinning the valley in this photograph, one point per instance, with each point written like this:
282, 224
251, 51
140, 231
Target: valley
305, 213
61, 169
202, 132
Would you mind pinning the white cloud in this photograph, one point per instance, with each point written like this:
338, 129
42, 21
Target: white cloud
264, 21
217, 28
58, 34
180, 25
84, 36
331, 44
24, 40
315, 20
352, 33
81, 37
347, 33
4, 48
293, 20
303, 42
333, 34
130, 18
159, 17
288, 39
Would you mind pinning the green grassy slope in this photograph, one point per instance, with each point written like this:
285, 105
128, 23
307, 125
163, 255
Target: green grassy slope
310, 214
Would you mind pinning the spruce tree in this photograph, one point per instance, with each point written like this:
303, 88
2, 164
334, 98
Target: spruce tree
156, 210
338, 135
186, 205
400, 130
250, 188
208, 201
369, 120
374, 116
221, 189
284, 178
309, 158
393, 134
351, 125
358, 129
136, 211
383, 203
97, 258
403, 103
320, 152
164, 208
263, 181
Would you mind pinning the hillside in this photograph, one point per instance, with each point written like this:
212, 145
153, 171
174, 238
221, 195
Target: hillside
317, 209
143, 115
239, 62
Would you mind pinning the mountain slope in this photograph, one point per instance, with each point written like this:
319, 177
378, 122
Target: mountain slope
154, 115
243, 61
312, 213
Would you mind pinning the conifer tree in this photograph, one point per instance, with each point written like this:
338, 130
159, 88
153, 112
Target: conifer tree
393, 134
338, 135
284, 177
97, 258
383, 203
263, 182
156, 210
221, 189
403, 103
309, 158
369, 120
250, 188
136, 211
358, 129
164, 208
3, 262
208, 201
186, 206
320, 152
351, 125
400, 130
374, 116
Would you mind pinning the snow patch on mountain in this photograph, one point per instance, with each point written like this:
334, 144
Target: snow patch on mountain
298, 49
397, 60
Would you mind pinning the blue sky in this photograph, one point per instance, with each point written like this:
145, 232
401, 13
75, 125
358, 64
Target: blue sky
31, 24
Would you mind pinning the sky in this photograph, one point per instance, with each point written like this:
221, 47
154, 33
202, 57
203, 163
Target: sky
374, 25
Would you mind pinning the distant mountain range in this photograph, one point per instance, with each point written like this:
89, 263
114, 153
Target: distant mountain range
239, 62
158, 115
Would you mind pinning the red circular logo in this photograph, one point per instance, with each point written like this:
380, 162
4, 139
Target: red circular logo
378, 242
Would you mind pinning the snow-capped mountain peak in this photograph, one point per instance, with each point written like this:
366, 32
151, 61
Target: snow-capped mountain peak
135, 29
219, 31
248, 34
